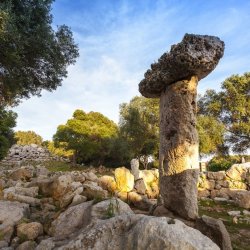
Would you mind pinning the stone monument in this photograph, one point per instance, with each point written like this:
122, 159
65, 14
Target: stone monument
174, 80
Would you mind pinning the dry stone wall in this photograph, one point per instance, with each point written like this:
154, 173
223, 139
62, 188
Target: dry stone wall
233, 184
21, 153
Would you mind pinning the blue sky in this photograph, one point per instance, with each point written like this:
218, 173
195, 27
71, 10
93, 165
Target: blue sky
119, 39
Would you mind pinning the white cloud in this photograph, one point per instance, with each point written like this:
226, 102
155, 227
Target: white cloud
116, 49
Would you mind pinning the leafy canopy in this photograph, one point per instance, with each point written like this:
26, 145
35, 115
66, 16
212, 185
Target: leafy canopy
211, 135
231, 106
88, 135
33, 56
139, 126
7, 122
27, 138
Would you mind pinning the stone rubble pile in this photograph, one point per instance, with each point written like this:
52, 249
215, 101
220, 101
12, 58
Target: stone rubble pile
233, 184
21, 153
77, 210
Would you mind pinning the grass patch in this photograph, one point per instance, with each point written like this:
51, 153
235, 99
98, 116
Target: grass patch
112, 208
56, 166
239, 233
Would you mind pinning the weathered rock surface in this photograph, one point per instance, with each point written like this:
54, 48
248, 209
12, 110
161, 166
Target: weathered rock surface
94, 192
29, 231
194, 55
27, 245
110, 208
180, 193
135, 168
124, 179
108, 183
21, 174
140, 232
71, 220
215, 230
11, 212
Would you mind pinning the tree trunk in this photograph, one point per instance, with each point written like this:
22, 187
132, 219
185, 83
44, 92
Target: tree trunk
179, 165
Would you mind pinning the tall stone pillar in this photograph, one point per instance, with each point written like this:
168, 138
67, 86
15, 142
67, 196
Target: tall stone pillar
174, 79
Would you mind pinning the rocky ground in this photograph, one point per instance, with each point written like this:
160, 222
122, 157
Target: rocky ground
236, 220
96, 209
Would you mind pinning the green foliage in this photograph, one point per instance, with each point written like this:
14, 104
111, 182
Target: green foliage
219, 163
231, 106
7, 122
211, 134
27, 138
89, 135
139, 126
33, 56
59, 150
113, 207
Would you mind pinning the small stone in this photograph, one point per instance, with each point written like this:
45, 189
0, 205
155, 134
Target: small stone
235, 220
233, 213
3, 244
78, 199
246, 212
220, 199
6, 232
27, 245
15, 242
29, 231
140, 186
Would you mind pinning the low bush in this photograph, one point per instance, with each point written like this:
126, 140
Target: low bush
219, 163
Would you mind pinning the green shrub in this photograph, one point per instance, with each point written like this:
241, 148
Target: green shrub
219, 163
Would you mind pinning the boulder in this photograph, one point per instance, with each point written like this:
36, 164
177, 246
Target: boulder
135, 168
78, 199
27, 245
90, 176
31, 191
6, 232
236, 172
242, 198
140, 232
203, 193
9, 194
11, 212
124, 179
21, 174
47, 244
139, 201
215, 230
94, 192
45, 185
207, 184
60, 186
75, 188
216, 175
71, 220
140, 186
110, 208
29, 231
150, 176
3, 244
107, 182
